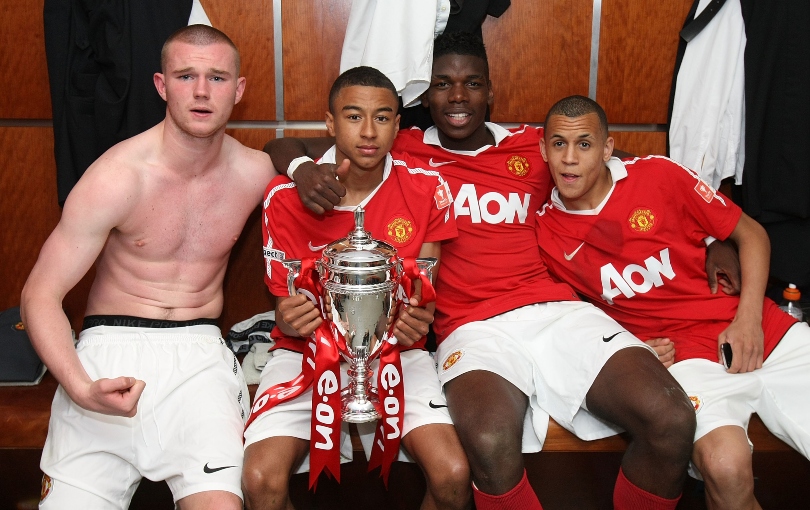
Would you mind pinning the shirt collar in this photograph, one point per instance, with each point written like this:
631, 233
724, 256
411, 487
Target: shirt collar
431, 137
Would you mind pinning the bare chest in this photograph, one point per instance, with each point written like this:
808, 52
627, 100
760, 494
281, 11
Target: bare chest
185, 223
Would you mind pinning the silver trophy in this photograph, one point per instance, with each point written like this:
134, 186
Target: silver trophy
360, 277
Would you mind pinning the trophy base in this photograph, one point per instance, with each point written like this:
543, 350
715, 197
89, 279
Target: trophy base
359, 411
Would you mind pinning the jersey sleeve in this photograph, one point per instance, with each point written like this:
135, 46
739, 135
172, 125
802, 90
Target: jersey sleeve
278, 226
710, 212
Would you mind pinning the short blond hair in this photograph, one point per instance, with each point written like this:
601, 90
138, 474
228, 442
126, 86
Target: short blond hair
198, 35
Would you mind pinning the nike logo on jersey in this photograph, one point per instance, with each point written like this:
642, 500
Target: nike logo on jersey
435, 406
316, 248
569, 257
609, 338
437, 164
210, 470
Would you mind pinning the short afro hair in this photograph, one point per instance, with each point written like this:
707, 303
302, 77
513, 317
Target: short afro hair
461, 43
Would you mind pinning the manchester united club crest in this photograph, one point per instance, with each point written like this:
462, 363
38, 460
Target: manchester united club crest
400, 231
19, 326
642, 220
47, 487
451, 360
697, 402
518, 166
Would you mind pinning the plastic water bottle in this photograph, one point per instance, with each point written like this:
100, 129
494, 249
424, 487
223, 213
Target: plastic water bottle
791, 302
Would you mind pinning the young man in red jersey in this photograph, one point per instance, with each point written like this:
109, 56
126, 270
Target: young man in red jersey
514, 344
405, 206
629, 235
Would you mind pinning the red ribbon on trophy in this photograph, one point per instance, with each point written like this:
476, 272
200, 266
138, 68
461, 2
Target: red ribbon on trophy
321, 363
389, 380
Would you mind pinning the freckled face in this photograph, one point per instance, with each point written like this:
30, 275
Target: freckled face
576, 150
200, 86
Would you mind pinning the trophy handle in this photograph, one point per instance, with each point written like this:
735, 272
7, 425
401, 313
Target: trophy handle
427, 264
294, 268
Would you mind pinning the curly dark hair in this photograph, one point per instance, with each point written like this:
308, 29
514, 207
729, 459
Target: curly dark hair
460, 43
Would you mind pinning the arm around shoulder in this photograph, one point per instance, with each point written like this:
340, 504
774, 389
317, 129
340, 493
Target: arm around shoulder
317, 185
284, 150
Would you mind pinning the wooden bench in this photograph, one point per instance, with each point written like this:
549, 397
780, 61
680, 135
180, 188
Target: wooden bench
25, 411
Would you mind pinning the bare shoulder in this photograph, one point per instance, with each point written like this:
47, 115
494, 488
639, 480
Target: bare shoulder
113, 184
254, 166
115, 176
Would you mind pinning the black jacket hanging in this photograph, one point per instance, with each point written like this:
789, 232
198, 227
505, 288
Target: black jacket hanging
101, 59
776, 176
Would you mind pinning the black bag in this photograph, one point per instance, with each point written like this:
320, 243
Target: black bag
19, 363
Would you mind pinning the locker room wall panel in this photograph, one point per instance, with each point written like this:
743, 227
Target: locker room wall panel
638, 43
640, 143
313, 32
28, 205
253, 138
305, 133
22, 53
28, 213
534, 61
250, 26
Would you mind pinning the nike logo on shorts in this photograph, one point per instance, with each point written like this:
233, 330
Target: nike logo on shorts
609, 338
437, 164
316, 248
435, 406
210, 470
569, 257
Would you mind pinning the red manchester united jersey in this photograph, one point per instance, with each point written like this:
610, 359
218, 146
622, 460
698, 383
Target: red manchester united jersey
640, 255
410, 207
494, 265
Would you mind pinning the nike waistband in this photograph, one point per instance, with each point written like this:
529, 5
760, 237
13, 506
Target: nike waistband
129, 321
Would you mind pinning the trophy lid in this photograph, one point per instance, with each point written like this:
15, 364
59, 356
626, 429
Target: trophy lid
359, 249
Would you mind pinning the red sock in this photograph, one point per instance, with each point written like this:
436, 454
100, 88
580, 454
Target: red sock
520, 497
627, 496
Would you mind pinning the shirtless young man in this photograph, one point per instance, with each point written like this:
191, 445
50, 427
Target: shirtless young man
514, 344
403, 207
151, 390
637, 227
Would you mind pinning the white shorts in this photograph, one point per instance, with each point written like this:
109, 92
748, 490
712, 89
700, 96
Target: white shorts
776, 392
424, 403
552, 352
187, 431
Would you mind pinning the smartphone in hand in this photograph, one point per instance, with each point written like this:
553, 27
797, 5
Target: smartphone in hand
725, 355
